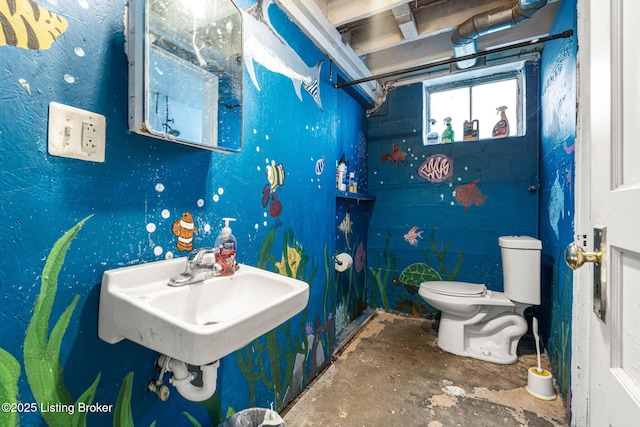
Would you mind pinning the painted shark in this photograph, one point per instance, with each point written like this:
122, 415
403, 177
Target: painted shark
263, 45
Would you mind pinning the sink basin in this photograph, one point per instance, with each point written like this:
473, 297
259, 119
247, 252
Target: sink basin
197, 323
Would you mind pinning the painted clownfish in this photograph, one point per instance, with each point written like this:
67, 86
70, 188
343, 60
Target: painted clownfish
184, 228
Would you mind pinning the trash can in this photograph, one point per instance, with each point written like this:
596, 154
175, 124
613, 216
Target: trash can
254, 417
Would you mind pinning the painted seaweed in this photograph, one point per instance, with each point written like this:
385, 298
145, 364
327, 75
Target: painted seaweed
122, 416
380, 281
9, 374
274, 358
440, 255
42, 351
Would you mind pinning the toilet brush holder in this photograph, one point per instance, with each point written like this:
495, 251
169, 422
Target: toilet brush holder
540, 384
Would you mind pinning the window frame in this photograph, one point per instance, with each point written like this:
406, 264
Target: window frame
457, 82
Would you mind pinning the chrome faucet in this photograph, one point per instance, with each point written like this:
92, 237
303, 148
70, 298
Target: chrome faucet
201, 265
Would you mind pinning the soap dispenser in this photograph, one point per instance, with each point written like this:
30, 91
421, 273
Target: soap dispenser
226, 246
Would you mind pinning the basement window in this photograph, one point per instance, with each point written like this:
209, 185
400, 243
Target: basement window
474, 98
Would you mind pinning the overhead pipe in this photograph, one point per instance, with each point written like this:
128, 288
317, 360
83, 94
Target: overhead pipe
563, 35
464, 37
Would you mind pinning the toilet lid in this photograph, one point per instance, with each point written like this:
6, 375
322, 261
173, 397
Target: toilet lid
462, 289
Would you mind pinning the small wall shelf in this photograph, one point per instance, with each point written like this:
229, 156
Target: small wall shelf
355, 196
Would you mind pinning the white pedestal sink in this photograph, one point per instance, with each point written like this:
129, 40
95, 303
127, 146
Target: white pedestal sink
197, 323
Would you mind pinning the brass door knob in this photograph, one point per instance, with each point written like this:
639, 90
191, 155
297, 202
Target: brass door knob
575, 256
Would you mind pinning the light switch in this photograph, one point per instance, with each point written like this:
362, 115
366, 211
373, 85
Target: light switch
76, 133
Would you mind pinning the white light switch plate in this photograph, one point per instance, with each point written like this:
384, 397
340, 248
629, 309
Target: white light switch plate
76, 133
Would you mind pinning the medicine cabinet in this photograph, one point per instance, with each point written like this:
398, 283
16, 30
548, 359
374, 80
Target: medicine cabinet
185, 71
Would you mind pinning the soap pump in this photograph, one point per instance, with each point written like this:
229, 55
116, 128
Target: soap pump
226, 246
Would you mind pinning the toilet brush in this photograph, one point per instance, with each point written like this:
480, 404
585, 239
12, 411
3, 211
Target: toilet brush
537, 338
540, 381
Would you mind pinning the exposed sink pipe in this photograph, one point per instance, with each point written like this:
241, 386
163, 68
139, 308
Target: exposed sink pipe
506, 16
183, 378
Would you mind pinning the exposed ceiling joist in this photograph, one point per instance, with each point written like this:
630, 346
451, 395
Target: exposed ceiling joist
341, 12
310, 19
373, 37
405, 21
437, 47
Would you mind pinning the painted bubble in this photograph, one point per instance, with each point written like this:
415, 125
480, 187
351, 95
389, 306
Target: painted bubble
216, 198
200, 203
69, 78
165, 213
221, 191
158, 250
151, 227
84, 4
79, 51
159, 187
168, 255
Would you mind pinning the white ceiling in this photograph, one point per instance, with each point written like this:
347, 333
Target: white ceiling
371, 37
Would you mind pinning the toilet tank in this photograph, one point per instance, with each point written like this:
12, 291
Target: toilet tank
521, 268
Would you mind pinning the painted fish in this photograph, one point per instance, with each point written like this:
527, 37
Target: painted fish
275, 209
184, 228
275, 175
470, 194
266, 191
412, 236
436, 168
27, 25
263, 45
396, 155
320, 164
345, 226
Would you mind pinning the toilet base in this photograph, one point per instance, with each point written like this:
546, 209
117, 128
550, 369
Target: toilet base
491, 336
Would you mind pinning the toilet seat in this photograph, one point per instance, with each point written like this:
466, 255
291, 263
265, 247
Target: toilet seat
457, 289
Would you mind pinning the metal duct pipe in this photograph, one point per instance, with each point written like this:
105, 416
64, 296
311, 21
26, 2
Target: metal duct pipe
464, 37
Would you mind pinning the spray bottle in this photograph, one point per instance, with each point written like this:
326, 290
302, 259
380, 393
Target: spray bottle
432, 136
226, 245
447, 134
501, 129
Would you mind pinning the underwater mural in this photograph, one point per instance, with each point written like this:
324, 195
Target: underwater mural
346, 226
265, 46
396, 155
413, 235
184, 229
436, 168
469, 194
27, 25
276, 175
153, 200
557, 198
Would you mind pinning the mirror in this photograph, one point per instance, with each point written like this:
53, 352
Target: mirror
185, 71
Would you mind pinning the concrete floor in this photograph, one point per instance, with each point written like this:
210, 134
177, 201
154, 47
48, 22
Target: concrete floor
393, 373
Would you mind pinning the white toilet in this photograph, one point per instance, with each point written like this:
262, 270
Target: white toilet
484, 324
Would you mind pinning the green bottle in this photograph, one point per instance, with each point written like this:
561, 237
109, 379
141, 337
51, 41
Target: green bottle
447, 134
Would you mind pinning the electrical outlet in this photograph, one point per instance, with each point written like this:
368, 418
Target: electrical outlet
89, 137
76, 133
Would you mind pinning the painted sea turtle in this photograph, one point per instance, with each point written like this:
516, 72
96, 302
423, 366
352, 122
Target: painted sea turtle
413, 275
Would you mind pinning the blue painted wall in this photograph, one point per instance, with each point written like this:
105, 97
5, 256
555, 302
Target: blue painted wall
496, 179
557, 173
136, 195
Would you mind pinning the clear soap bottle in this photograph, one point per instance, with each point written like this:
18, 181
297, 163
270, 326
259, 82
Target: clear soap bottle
226, 246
